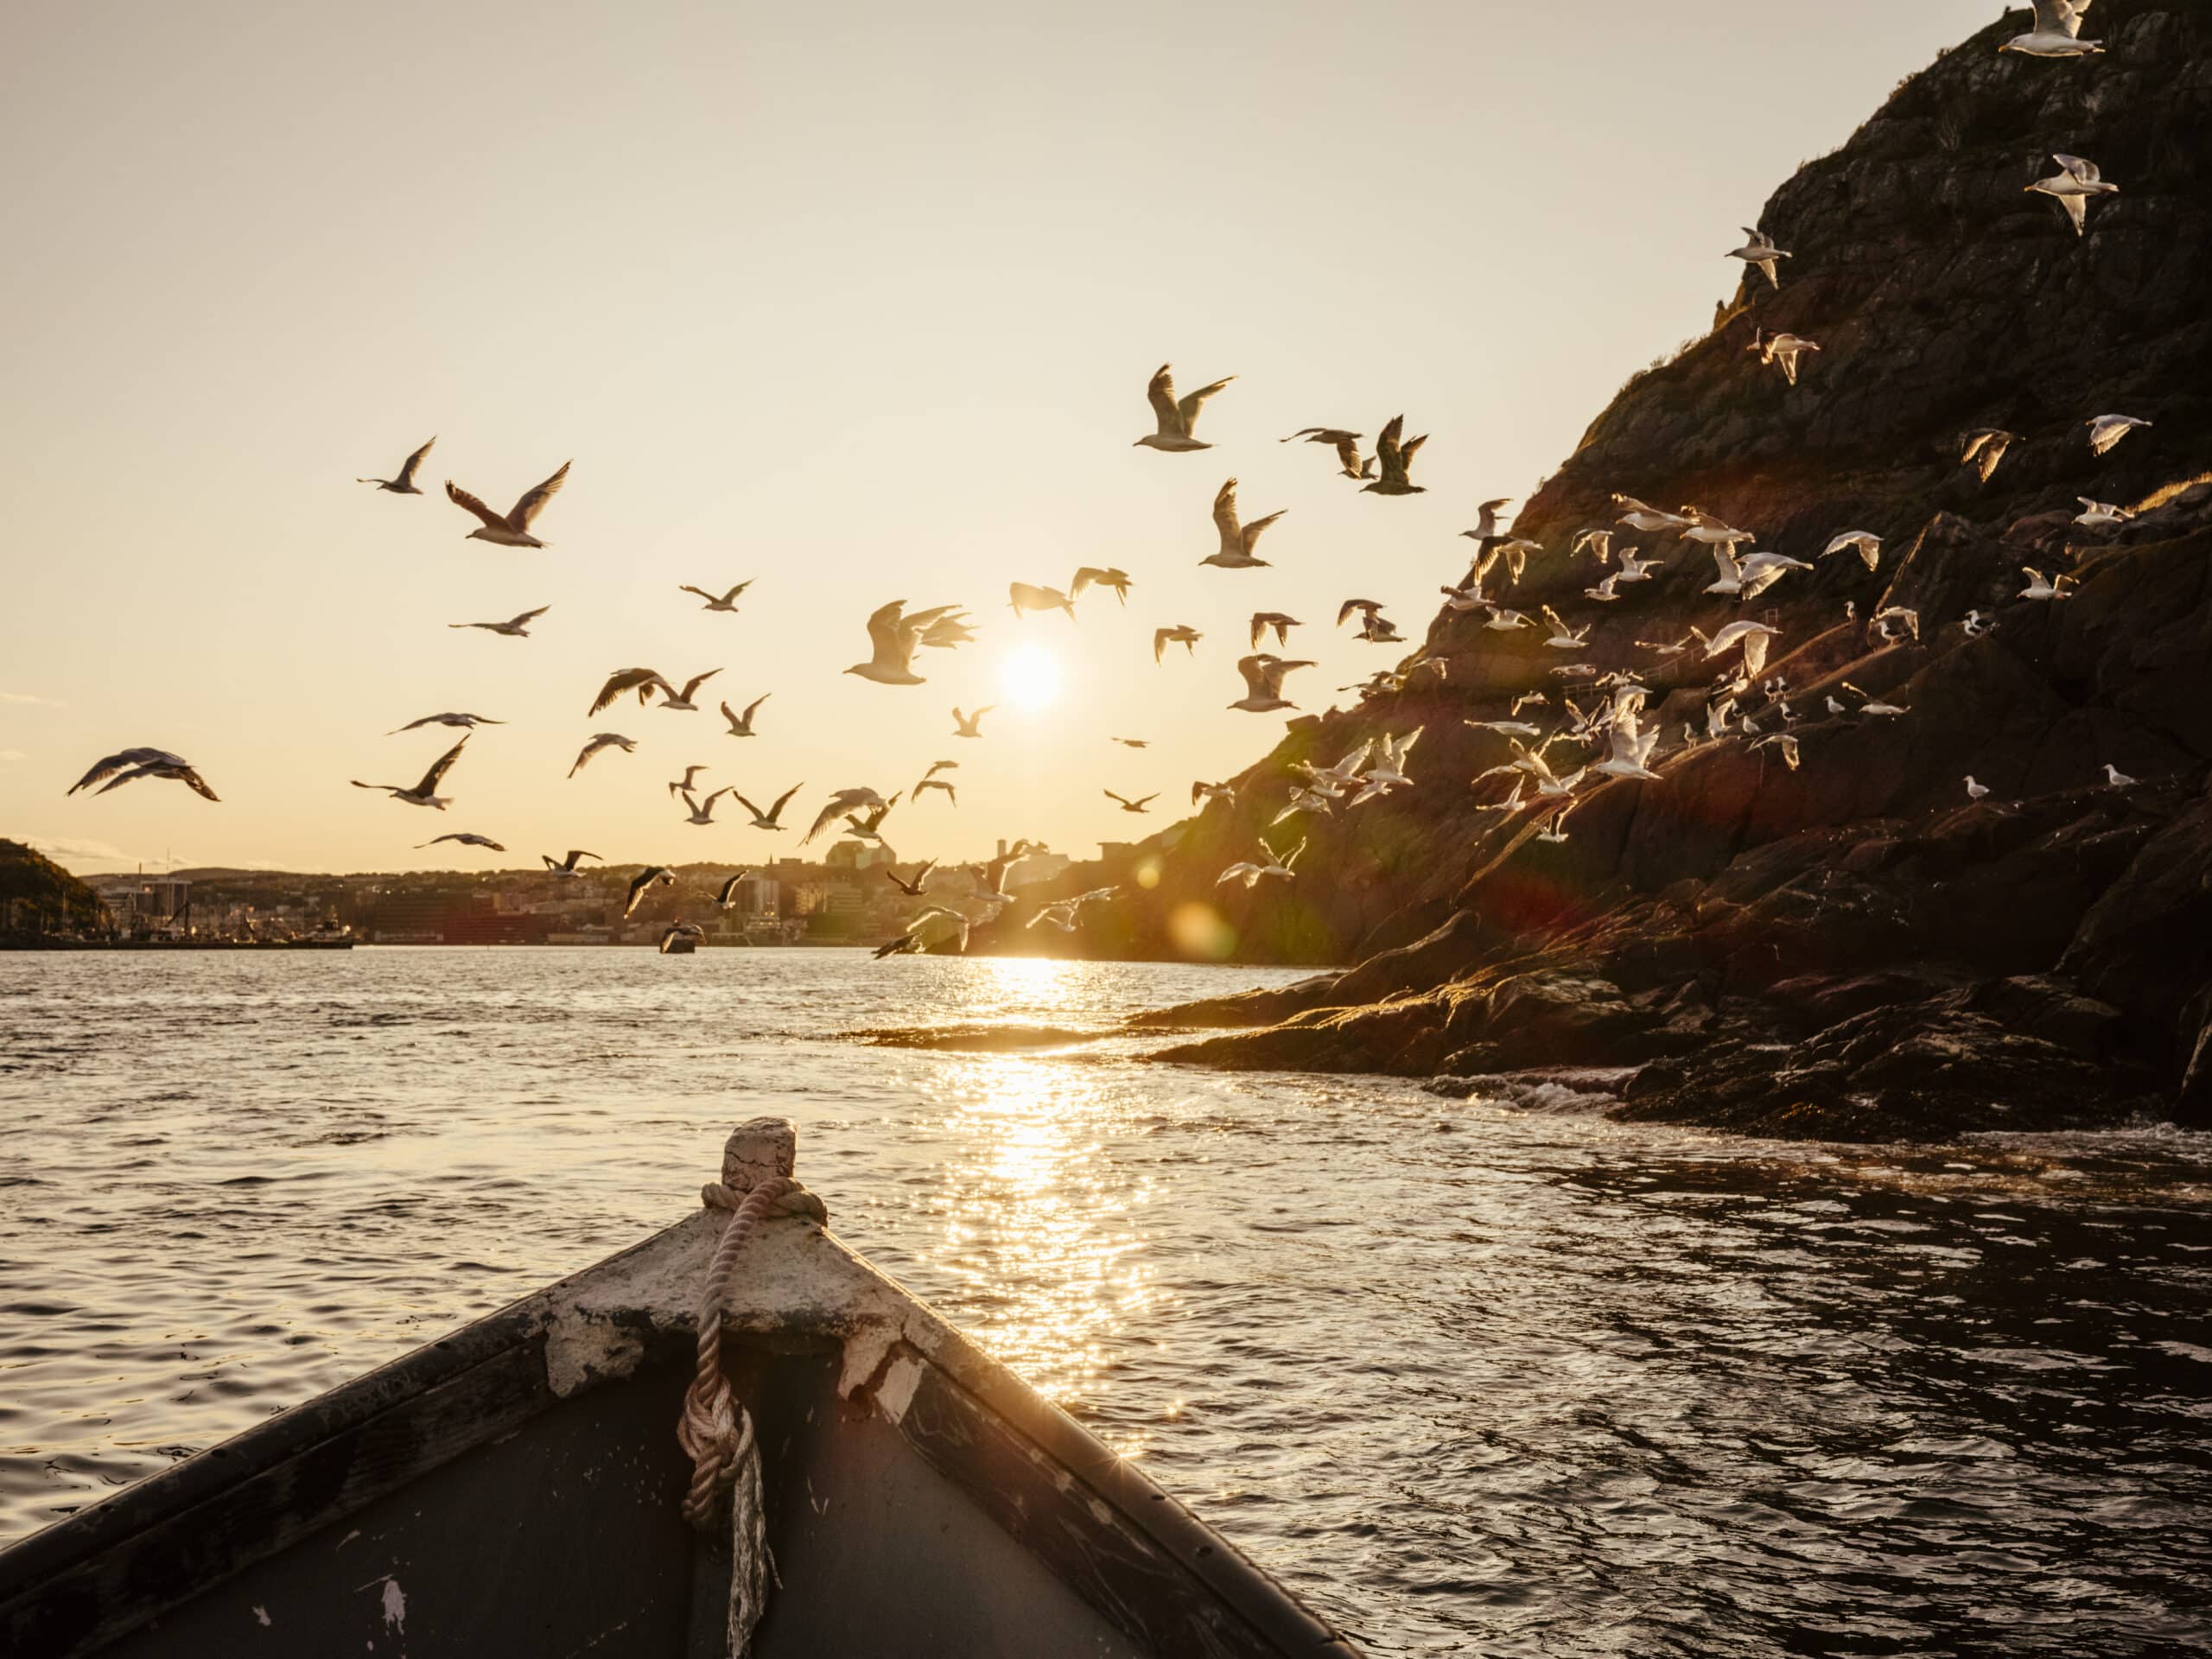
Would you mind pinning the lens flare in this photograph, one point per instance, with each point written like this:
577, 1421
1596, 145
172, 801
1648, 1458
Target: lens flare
1030, 677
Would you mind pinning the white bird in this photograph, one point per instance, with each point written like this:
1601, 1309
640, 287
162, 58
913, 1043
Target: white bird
1714, 532
2056, 31
1394, 457
1784, 349
1976, 624
643, 681
727, 896
726, 602
1202, 790
912, 886
1331, 780
970, 725
1873, 705
1733, 579
566, 867
1516, 553
2105, 430
1511, 804
679, 929
742, 725
514, 627
467, 722
465, 838
1307, 800
2116, 778
1237, 539
949, 633
2100, 515
1639, 515
642, 882
1564, 638
1389, 765
1112, 577
1024, 597
1603, 590
1904, 613
1278, 865
1181, 634
150, 763
687, 782
1485, 530
1555, 831
404, 484
2039, 588
1599, 541
422, 794
602, 741
703, 812
1264, 677
894, 638
1975, 792
1986, 443
1281, 622
930, 927
2072, 186
1781, 740
1504, 622
1462, 600
1637, 569
1062, 913
1758, 250
1173, 419
513, 529
1346, 444
1716, 714
843, 802
1508, 728
1631, 752
1864, 542
768, 820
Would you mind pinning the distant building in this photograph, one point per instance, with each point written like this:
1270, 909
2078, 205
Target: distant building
1038, 867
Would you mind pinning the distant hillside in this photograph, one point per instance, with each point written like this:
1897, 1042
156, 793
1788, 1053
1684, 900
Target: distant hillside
56, 901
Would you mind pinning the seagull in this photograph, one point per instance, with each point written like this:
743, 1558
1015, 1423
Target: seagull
1504, 622
602, 741
1237, 539
160, 763
1279, 865
2105, 430
1390, 767
1599, 541
1378, 630
1174, 419
1128, 805
684, 785
466, 840
1786, 743
1395, 457
1638, 570
948, 633
1704, 527
995, 891
1873, 705
1023, 598
1368, 608
1181, 634
566, 867
870, 828
680, 929
1754, 638
1758, 250
1975, 792
643, 681
1118, 580
768, 820
644, 880
1508, 728
1555, 832
681, 701
742, 725
2055, 32
727, 896
1864, 542
703, 812
727, 602
513, 627
1345, 443
1511, 804
2072, 186
404, 484
936, 767
1515, 554
970, 725
1210, 793
1485, 530
144, 763
1989, 444
894, 638
1736, 579
2100, 515
466, 721
1305, 800
514, 530
1603, 590
951, 794
1563, 638
1904, 613
2039, 588
2117, 779
932, 926
1784, 349
1062, 913
1132, 742
1264, 676
842, 802
1279, 621
912, 888
1637, 516
1976, 624
422, 794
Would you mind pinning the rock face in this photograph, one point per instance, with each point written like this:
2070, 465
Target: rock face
1853, 947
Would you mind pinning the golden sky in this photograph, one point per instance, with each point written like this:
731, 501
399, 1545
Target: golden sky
858, 302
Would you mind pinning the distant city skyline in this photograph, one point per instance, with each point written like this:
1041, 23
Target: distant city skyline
858, 305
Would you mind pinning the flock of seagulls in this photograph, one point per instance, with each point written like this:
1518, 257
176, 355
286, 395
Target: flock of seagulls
1613, 738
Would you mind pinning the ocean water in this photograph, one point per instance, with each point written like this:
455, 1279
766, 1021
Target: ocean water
1488, 1377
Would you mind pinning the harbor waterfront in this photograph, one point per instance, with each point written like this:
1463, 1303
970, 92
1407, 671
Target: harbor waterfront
1485, 1375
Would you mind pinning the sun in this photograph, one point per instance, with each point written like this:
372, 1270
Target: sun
1030, 677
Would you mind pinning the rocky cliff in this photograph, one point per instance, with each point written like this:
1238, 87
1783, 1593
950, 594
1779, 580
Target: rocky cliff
1852, 947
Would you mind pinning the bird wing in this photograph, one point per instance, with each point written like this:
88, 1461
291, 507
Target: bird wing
1111, 795
1159, 639
1161, 394
696, 681
625, 679
1186, 409
198, 785
1139, 806
442, 765
688, 589
516, 622
755, 703
407, 467
1252, 530
534, 500
108, 767
462, 498
1255, 670
1389, 452
883, 630
1224, 512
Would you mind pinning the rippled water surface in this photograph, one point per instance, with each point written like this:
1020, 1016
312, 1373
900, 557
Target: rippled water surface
1491, 1376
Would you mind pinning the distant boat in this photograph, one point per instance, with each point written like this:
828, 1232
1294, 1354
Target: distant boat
517, 1487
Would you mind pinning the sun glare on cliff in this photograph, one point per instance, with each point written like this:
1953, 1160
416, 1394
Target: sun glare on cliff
1030, 677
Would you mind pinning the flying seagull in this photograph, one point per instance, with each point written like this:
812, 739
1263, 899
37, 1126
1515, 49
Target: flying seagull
644, 880
1181, 634
1864, 542
142, 763
932, 926
466, 840
2100, 515
894, 636
468, 722
514, 530
2105, 430
424, 793
2072, 186
871, 827
1395, 457
2055, 32
643, 681
742, 725
768, 820
1347, 445
1024, 598
970, 725
1128, 805
602, 741
843, 802
679, 929
1062, 913
1987, 445
404, 484
681, 701
951, 793
1175, 419
727, 896
1264, 676
514, 627
1112, 577
703, 812
1485, 530
1758, 250
1784, 349
1279, 621
1278, 865
910, 886
1237, 539
726, 602
567, 865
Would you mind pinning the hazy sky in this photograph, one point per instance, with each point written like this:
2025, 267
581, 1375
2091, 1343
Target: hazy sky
859, 302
